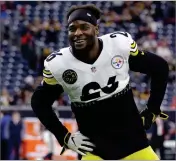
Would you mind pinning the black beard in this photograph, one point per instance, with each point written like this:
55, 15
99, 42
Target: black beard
83, 54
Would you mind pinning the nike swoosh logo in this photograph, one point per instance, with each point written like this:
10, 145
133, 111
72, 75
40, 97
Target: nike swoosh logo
73, 140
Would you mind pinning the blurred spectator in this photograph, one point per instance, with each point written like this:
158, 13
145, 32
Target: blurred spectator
9, 5
172, 76
63, 100
29, 83
161, 130
157, 11
126, 16
38, 81
143, 30
149, 43
48, 139
27, 90
15, 131
173, 104
5, 119
52, 28
136, 10
32, 3
17, 97
169, 12
26, 95
22, 95
36, 27
5, 98
152, 25
109, 17
6, 35
27, 48
164, 51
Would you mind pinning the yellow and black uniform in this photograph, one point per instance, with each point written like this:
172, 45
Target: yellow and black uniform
108, 115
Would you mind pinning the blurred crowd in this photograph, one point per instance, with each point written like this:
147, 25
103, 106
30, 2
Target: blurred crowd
22, 95
41, 30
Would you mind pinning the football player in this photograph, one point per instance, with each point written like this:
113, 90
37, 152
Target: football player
94, 72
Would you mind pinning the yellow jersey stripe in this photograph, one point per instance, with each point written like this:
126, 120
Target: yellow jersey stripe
50, 81
133, 46
134, 53
47, 72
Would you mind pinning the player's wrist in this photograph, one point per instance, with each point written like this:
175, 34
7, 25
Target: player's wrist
155, 111
65, 146
66, 138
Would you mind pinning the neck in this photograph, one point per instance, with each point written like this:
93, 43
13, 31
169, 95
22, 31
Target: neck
94, 52
89, 56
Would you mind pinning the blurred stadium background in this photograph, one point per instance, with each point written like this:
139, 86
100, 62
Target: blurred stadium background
32, 30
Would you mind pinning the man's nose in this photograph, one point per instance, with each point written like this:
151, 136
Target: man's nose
78, 32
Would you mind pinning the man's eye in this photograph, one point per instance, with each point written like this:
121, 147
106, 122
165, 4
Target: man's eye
72, 29
84, 27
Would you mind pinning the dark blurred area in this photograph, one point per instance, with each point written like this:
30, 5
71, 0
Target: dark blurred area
30, 31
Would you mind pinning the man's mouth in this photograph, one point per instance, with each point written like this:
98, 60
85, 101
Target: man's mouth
79, 42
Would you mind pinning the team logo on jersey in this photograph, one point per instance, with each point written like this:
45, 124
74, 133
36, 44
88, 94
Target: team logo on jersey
70, 76
117, 61
93, 69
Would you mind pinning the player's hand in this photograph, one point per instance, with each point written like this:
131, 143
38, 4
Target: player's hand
149, 117
78, 143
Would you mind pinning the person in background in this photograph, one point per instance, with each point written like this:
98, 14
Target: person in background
164, 51
5, 119
5, 98
161, 130
15, 130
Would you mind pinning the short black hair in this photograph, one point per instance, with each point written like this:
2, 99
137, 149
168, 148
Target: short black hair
96, 11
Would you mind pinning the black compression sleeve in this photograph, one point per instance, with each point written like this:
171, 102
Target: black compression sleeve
41, 102
157, 68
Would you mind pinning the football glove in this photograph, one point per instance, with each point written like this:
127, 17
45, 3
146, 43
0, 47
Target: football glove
78, 143
148, 117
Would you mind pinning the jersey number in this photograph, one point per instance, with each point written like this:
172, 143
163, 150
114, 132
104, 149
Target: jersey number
111, 87
115, 33
53, 55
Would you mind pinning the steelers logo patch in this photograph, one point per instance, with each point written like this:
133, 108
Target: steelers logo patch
117, 62
70, 76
